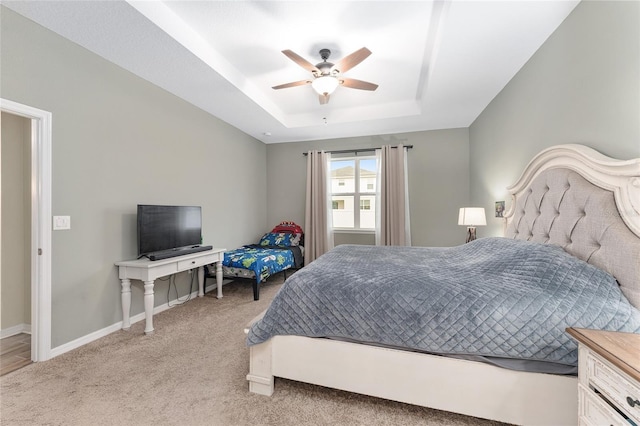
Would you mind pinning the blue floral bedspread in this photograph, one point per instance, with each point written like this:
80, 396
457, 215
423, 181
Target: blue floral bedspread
264, 262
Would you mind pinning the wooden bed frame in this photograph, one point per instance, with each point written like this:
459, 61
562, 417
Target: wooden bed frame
465, 387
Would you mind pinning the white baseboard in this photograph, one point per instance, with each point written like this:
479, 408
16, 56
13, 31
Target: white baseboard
74, 344
16, 329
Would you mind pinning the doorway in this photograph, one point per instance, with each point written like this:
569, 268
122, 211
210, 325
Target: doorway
38, 222
15, 286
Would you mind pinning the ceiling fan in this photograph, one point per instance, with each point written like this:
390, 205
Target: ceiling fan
328, 76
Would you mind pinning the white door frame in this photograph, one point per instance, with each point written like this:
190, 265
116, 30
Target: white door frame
40, 226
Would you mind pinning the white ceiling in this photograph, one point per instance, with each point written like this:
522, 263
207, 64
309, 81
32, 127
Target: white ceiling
437, 63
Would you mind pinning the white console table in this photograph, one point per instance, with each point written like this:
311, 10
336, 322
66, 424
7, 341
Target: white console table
148, 271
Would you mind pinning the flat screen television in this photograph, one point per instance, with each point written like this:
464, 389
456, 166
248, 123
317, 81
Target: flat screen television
163, 229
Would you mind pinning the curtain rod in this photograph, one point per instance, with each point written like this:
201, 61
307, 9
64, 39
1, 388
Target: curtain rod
355, 151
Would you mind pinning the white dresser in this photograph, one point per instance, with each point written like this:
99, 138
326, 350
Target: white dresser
608, 376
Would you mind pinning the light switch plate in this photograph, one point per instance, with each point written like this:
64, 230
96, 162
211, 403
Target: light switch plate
61, 223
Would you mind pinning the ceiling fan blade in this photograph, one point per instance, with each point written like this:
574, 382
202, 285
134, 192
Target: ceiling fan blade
292, 84
301, 61
324, 99
352, 83
350, 61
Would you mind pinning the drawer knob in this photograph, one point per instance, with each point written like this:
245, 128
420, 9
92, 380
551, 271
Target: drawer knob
632, 402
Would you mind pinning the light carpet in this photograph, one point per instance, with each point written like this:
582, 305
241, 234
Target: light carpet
191, 371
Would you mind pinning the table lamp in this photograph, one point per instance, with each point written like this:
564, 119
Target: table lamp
472, 217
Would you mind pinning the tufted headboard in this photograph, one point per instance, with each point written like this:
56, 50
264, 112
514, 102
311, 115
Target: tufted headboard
585, 202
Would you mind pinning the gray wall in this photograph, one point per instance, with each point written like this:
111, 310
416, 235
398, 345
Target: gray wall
119, 141
438, 182
581, 86
15, 288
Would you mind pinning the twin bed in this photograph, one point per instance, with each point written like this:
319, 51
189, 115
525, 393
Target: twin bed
277, 251
477, 329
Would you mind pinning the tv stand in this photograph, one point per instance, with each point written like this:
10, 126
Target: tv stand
148, 271
159, 255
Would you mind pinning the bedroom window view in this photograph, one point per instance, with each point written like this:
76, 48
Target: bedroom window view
353, 183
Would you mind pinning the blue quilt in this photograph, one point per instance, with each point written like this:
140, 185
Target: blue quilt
493, 297
264, 262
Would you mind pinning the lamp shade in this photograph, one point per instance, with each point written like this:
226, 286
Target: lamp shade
325, 85
472, 216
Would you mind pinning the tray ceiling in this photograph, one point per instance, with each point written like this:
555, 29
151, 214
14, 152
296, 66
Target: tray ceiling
437, 63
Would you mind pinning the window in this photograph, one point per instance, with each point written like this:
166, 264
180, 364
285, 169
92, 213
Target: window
353, 193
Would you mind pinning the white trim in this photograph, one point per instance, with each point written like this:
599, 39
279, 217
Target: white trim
40, 225
81, 341
353, 231
16, 329
88, 338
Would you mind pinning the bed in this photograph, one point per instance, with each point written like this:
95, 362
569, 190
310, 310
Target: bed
568, 196
277, 251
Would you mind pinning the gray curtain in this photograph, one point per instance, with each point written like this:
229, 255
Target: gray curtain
318, 237
392, 206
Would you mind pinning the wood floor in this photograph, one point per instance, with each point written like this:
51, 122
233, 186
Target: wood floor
15, 352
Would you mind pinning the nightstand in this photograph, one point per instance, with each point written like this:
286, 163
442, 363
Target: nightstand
608, 377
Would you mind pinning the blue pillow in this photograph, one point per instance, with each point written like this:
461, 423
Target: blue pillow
280, 239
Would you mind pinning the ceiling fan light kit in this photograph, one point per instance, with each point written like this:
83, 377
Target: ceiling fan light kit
325, 74
325, 85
